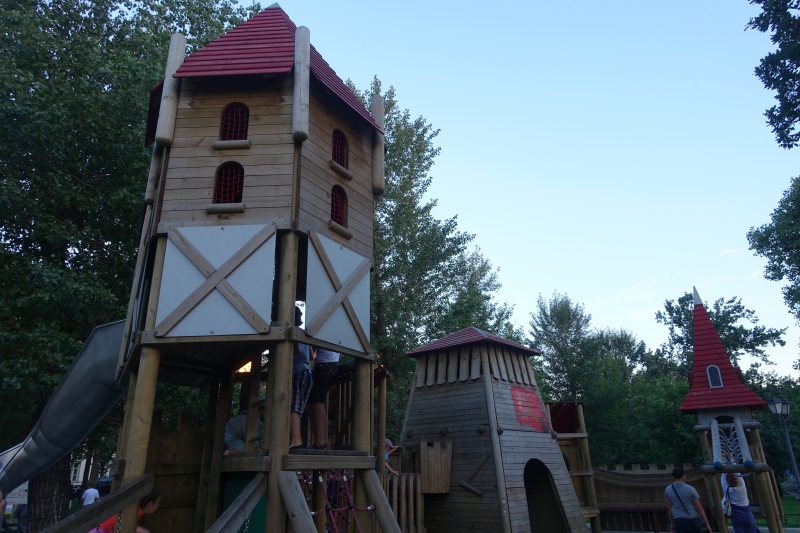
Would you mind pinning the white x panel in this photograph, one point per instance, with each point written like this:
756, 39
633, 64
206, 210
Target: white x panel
337, 329
214, 314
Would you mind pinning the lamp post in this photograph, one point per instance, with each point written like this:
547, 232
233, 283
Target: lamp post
781, 408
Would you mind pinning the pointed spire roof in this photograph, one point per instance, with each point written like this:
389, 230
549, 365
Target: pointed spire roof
265, 45
464, 337
709, 351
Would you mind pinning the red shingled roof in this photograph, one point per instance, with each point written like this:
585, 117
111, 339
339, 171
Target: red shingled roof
470, 335
264, 45
708, 350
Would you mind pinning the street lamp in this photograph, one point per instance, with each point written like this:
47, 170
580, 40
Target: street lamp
781, 408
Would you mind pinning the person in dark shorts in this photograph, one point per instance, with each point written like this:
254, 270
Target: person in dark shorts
326, 367
301, 384
683, 505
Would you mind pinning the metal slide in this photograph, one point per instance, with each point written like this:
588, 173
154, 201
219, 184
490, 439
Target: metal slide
85, 395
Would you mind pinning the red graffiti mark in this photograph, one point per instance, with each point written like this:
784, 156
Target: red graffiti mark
528, 409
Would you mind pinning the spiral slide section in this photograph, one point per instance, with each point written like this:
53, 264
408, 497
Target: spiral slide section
85, 395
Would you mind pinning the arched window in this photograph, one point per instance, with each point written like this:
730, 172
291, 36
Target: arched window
235, 118
228, 188
339, 206
339, 148
714, 377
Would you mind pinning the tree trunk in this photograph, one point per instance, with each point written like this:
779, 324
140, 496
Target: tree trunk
48, 496
95, 472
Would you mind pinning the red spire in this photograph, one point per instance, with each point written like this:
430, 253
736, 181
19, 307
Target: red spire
709, 352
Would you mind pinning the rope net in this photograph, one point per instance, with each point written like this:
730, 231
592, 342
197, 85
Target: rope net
234, 123
339, 511
339, 206
339, 149
230, 180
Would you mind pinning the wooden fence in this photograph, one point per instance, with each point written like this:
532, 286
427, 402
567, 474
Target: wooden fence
404, 493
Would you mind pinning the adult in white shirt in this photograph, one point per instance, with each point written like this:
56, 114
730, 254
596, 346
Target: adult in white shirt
734, 489
90, 496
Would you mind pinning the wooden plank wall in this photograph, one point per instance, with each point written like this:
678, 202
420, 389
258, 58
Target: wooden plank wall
317, 178
447, 395
173, 458
268, 162
521, 443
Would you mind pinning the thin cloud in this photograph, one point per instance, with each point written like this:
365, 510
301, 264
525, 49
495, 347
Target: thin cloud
729, 251
648, 312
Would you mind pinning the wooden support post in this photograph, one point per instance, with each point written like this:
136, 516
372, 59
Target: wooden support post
378, 183
769, 499
362, 414
587, 465
295, 501
368, 479
318, 500
208, 456
222, 414
302, 76
122, 440
498, 460
252, 412
170, 92
379, 448
281, 380
141, 416
715, 494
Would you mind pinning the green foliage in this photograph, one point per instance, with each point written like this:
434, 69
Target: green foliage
779, 242
736, 325
778, 71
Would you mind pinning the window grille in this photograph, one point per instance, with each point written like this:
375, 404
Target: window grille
230, 180
235, 118
714, 377
339, 149
339, 206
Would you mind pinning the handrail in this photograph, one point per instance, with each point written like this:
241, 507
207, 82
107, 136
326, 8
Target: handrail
234, 516
93, 515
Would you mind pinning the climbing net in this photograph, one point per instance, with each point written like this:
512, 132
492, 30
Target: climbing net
339, 510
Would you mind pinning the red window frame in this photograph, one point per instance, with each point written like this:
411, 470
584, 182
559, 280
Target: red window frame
235, 121
339, 206
229, 183
339, 148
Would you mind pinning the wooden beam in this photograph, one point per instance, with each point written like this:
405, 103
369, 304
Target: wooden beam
240, 463
235, 515
168, 109
381, 438
302, 81
374, 492
505, 520
295, 502
296, 462
92, 516
336, 300
378, 182
223, 412
252, 412
207, 457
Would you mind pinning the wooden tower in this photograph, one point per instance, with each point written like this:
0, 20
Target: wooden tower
483, 441
261, 190
723, 405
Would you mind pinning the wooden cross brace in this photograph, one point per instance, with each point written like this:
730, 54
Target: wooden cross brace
216, 279
340, 297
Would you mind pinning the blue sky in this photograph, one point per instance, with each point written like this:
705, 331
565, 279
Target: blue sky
615, 151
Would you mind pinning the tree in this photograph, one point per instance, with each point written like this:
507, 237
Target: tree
779, 242
74, 80
736, 325
425, 283
560, 329
778, 71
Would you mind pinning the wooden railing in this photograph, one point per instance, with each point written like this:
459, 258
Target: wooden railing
93, 515
404, 493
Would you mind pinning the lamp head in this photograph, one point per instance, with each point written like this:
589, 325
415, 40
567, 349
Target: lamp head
779, 406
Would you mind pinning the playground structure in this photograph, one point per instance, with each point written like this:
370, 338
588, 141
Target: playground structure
478, 432
261, 189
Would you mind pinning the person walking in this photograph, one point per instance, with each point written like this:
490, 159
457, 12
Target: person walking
90, 496
683, 506
735, 491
